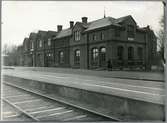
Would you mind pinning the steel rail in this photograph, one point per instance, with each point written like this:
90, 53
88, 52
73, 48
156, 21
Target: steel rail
20, 110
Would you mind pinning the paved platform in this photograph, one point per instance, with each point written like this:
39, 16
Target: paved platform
144, 90
153, 76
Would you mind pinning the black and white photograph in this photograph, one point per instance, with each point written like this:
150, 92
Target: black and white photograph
83, 61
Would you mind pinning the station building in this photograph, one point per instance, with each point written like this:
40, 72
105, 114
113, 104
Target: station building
89, 45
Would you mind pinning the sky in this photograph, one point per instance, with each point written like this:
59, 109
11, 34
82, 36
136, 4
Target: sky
19, 18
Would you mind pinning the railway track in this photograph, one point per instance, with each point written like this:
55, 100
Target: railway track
30, 106
11, 113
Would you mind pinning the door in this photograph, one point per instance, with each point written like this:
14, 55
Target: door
102, 59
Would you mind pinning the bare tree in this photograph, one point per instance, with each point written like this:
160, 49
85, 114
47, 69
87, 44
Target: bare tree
161, 40
5, 49
11, 54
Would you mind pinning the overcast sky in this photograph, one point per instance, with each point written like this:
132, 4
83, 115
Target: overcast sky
19, 18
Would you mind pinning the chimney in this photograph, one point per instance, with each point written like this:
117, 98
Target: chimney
148, 27
71, 24
84, 19
59, 28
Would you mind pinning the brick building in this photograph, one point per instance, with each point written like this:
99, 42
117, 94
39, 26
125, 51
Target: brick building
62, 47
49, 49
89, 45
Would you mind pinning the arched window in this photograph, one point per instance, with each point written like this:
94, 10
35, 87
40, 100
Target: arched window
140, 53
95, 55
103, 50
130, 53
102, 55
120, 51
61, 57
77, 56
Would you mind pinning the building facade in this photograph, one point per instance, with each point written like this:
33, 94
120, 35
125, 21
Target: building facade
90, 45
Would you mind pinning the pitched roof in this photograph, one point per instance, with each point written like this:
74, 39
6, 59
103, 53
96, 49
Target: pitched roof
26, 39
33, 35
121, 19
101, 23
64, 33
42, 33
51, 33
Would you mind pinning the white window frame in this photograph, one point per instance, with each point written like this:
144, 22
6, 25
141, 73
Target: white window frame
77, 35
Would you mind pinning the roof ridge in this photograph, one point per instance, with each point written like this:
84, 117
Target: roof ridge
124, 17
101, 19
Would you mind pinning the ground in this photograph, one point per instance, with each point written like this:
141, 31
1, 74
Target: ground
146, 86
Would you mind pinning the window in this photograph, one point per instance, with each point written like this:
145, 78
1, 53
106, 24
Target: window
103, 50
120, 51
77, 57
101, 36
130, 31
32, 45
94, 37
77, 35
49, 56
140, 53
61, 57
117, 32
49, 42
40, 43
130, 53
95, 55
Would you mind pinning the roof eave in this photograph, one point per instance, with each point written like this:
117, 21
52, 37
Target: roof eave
61, 37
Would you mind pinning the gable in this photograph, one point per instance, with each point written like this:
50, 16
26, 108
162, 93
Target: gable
127, 20
130, 21
78, 26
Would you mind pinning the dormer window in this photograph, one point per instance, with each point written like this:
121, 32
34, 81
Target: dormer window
77, 35
40, 43
131, 32
49, 42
